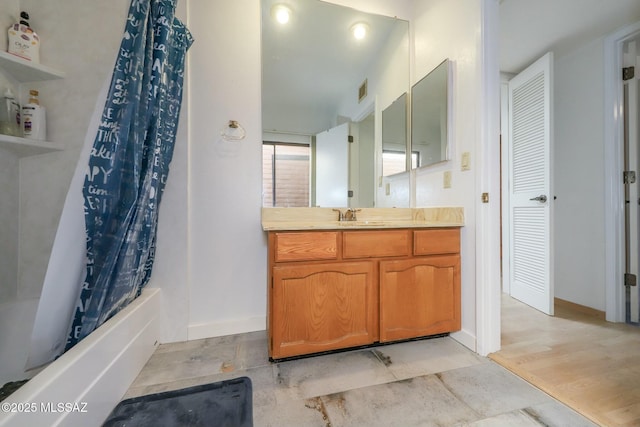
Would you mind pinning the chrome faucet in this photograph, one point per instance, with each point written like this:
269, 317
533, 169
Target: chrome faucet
350, 214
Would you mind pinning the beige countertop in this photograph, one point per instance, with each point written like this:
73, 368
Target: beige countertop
282, 219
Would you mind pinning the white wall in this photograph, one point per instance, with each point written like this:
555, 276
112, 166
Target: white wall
578, 176
227, 281
452, 29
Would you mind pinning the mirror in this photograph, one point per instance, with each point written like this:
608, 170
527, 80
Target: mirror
430, 117
316, 77
394, 137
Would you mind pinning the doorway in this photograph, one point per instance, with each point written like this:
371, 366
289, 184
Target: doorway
621, 256
527, 167
631, 163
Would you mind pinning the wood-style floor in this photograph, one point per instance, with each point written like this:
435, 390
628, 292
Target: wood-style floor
587, 363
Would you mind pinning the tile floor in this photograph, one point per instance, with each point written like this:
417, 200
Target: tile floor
435, 382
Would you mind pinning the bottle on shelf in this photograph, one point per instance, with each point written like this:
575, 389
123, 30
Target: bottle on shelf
9, 115
23, 41
34, 125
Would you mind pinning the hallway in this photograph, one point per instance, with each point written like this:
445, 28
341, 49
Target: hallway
587, 363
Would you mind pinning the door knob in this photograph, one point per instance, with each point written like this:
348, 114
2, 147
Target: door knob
541, 198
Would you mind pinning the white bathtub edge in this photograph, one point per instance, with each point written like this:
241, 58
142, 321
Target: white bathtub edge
93, 376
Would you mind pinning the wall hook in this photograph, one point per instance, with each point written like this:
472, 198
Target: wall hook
233, 131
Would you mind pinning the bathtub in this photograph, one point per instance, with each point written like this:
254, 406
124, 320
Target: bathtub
84, 384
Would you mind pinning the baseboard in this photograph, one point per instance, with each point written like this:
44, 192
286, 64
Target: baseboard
90, 379
583, 309
219, 329
465, 338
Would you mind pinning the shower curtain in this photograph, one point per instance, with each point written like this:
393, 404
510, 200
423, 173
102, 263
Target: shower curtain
129, 163
124, 178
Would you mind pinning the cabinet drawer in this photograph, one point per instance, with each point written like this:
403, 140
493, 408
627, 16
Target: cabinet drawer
370, 244
436, 241
306, 246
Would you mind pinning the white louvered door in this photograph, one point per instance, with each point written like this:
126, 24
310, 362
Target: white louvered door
531, 197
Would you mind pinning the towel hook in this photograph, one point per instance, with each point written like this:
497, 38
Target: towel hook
233, 131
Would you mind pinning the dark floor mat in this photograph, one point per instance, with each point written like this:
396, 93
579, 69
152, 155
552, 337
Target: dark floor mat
222, 404
10, 387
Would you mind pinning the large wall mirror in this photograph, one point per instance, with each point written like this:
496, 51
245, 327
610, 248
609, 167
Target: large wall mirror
328, 72
394, 137
430, 117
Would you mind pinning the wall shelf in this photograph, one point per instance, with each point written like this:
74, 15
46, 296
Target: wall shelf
26, 71
23, 147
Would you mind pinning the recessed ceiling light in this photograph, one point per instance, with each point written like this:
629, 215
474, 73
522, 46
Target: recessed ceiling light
281, 13
359, 30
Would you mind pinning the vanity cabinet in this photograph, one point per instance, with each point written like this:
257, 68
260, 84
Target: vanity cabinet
335, 289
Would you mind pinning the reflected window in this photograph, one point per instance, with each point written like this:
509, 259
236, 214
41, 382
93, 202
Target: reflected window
394, 162
415, 159
285, 174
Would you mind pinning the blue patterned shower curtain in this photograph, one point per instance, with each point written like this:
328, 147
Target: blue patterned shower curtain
129, 163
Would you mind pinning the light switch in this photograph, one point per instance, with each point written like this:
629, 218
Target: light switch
446, 179
387, 189
465, 163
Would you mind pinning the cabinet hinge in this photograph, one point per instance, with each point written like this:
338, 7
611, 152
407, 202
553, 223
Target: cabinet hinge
628, 177
485, 197
350, 138
628, 73
630, 279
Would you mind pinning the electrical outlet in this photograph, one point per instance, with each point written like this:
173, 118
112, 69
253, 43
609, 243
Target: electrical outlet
387, 189
465, 162
446, 179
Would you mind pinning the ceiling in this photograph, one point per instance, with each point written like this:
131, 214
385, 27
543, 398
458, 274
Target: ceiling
530, 28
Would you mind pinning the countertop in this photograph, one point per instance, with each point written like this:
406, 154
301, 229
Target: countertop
283, 219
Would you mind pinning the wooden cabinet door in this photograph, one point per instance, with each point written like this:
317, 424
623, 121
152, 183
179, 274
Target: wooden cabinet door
419, 297
321, 307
